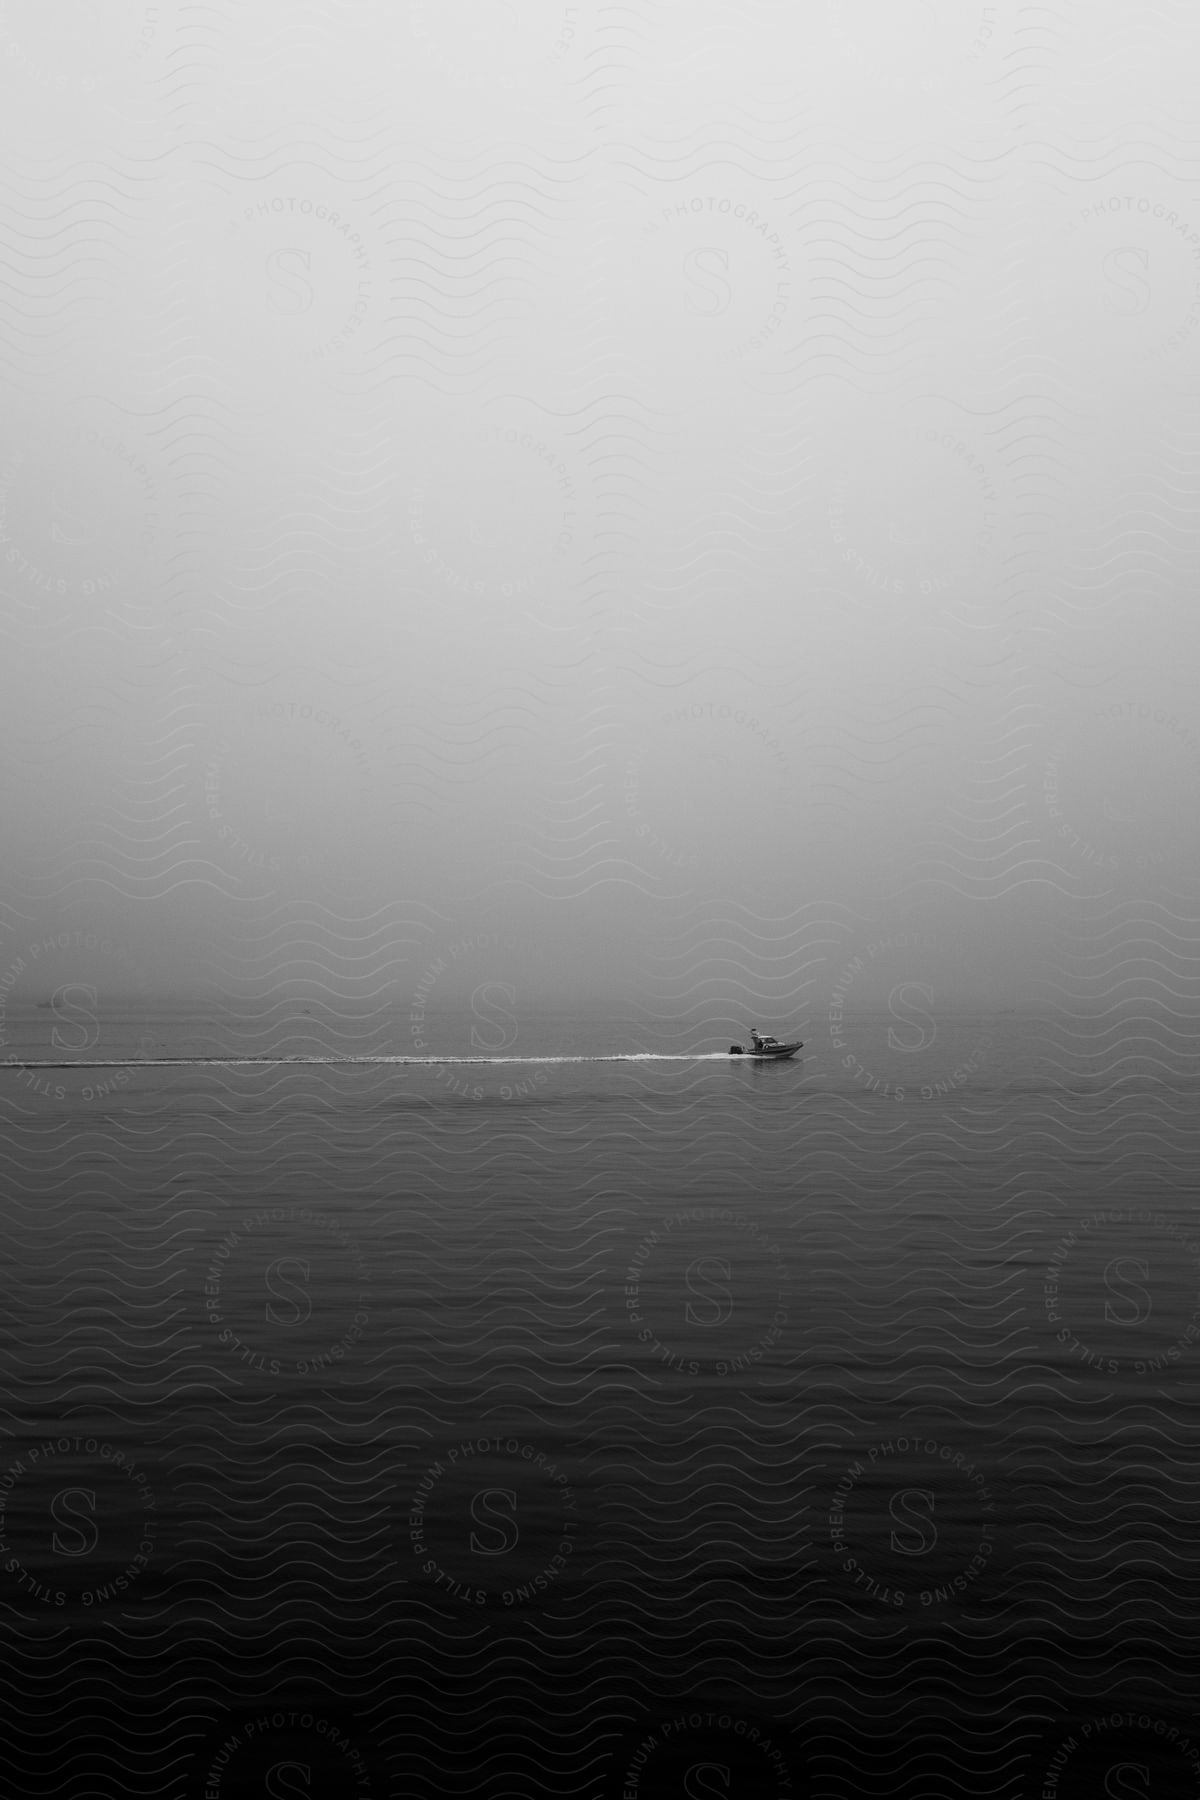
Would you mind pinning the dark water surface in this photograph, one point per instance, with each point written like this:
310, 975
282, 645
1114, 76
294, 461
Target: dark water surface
652, 1427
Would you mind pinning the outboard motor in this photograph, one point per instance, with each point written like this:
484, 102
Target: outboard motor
735, 1050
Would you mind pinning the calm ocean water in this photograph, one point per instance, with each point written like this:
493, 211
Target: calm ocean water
661, 1426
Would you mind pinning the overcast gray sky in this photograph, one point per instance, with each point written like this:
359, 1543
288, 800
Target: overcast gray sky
689, 488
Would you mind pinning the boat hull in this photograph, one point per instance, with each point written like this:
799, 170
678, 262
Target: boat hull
774, 1053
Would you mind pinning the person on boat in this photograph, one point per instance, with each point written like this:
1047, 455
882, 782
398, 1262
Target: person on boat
761, 1043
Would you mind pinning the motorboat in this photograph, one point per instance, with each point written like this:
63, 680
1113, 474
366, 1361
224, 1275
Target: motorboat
767, 1049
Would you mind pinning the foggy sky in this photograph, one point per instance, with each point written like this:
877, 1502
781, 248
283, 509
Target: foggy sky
689, 491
